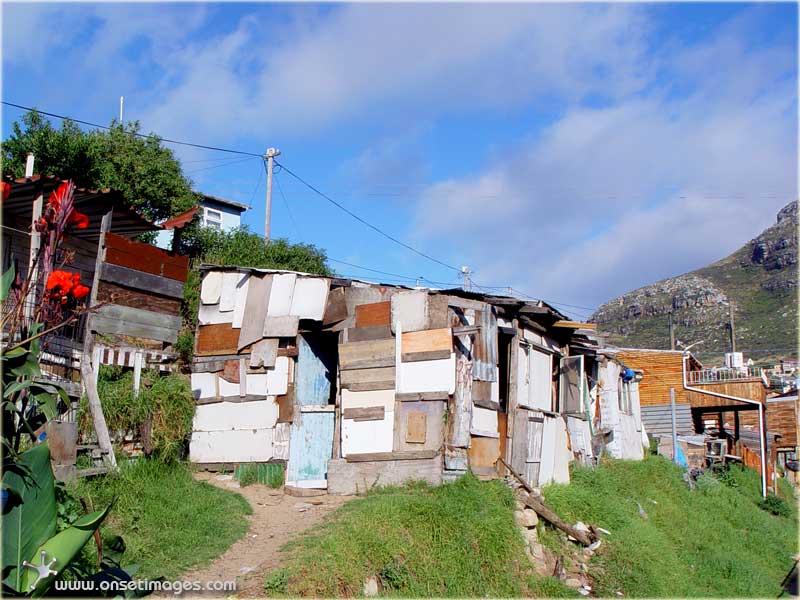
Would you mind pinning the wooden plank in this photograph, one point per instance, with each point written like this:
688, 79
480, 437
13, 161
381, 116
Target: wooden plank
465, 303
264, 353
310, 298
382, 398
142, 281
466, 330
411, 309
366, 355
418, 396
575, 325
430, 340
144, 257
209, 314
280, 301
231, 280
484, 422
366, 334
483, 452
371, 413
138, 315
285, 326
416, 427
255, 310
381, 456
434, 425
367, 435
378, 313
437, 311
421, 356
488, 404
252, 445
230, 371
367, 376
236, 416
217, 339
239, 303
110, 293
369, 386
107, 323
286, 405
427, 376
336, 307
208, 366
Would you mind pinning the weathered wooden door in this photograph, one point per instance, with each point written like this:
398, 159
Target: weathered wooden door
311, 442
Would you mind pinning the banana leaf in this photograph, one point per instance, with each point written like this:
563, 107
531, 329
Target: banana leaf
63, 547
29, 520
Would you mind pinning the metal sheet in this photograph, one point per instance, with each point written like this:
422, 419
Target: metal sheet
227, 416
310, 298
253, 445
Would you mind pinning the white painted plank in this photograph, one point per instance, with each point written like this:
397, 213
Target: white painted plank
272, 383
275, 327
230, 284
427, 376
360, 437
211, 288
309, 298
241, 302
384, 398
228, 388
548, 451
280, 441
280, 298
253, 445
209, 314
264, 353
411, 309
484, 422
226, 416
204, 385
562, 453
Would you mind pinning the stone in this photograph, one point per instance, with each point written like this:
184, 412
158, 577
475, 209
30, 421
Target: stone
224, 477
371, 587
526, 517
574, 583
531, 535
537, 550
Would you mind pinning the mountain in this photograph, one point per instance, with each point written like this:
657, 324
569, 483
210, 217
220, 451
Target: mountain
760, 278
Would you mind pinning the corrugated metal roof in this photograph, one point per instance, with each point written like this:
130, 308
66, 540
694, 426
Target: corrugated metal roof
17, 208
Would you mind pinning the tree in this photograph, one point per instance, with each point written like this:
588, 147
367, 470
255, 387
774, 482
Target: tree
148, 174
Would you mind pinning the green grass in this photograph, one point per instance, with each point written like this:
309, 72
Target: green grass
169, 521
269, 474
456, 540
714, 541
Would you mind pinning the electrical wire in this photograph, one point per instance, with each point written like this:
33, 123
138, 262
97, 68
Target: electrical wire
141, 135
225, 164
367, 223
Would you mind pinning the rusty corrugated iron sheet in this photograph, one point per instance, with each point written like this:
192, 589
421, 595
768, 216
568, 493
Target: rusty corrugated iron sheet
484, 350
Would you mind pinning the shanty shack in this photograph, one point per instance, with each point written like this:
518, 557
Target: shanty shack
354, 384
136, 289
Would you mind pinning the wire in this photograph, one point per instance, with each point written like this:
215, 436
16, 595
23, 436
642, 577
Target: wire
141, 135
288, 210
236, 161
367, 223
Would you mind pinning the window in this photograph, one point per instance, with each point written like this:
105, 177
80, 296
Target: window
212, 218
624, 397
571, 386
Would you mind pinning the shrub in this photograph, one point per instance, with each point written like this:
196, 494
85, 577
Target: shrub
165, 403
776, 505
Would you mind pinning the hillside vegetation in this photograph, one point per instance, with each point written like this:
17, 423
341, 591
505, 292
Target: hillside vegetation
712, 541
760, 278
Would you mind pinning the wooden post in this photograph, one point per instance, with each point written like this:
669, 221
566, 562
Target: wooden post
736, 425
89, 374
511, 403
137, 371
36, 244
732, 327
671, 332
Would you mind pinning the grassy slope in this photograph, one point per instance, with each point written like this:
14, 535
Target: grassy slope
458, 540
714, 541
169, 521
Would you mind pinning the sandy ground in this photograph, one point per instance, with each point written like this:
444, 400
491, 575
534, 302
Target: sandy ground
276, 518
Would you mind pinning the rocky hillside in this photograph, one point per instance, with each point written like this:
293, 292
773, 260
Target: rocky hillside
761, 280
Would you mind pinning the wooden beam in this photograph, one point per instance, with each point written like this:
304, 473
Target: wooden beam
575, 325
142, 281
380, 456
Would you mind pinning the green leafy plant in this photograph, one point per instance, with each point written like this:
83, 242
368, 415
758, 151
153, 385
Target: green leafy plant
162, 413
30, 524
776, 505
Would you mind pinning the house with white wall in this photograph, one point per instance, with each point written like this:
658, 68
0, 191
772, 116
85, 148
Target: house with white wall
216, 212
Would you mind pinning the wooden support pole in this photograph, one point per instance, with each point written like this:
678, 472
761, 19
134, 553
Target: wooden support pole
137, 372
545, 512
88, 373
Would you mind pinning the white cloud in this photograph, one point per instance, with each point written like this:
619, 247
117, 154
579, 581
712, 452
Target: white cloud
608, 199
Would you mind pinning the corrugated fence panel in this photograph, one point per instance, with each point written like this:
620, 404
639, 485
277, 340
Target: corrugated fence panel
657, 419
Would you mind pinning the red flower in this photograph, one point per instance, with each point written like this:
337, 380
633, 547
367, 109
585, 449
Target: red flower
80, 220
79, 291
58, 195
6, 190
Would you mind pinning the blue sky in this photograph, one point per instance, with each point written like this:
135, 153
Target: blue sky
571, 151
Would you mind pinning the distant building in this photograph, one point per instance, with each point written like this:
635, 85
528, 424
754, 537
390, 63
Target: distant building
215, 212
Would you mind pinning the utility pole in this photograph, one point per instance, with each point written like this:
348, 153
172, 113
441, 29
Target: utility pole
732, 327
121, 100
270, 156
465, 273
671, 332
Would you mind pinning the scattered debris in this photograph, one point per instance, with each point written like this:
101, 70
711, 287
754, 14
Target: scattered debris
371, 587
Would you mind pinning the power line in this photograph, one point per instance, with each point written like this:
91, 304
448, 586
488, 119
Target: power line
141, 135
367, 223
288, 210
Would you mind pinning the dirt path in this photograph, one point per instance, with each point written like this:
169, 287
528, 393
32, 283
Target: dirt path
276, 518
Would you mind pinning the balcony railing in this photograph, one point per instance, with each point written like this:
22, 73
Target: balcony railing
723, 375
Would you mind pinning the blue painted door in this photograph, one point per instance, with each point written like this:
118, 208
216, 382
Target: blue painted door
311, 442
